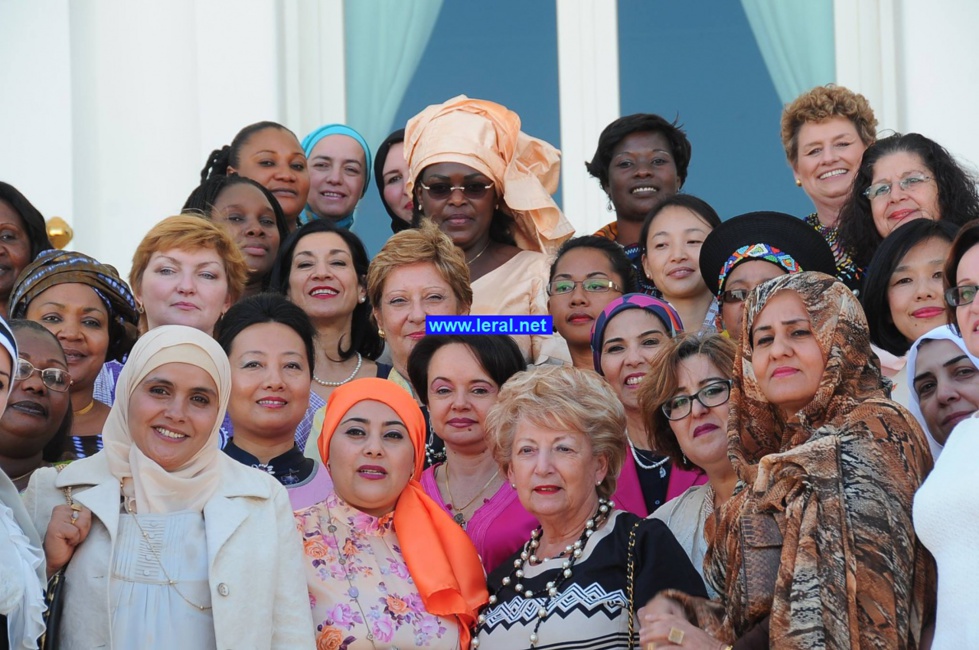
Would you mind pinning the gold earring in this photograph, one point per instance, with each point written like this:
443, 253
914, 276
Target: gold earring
380, 332
139, 308
798, 183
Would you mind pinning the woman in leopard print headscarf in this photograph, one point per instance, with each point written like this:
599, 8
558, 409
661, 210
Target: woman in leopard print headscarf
816, 548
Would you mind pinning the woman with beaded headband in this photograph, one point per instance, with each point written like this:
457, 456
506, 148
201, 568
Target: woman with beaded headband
558, 435
629, 335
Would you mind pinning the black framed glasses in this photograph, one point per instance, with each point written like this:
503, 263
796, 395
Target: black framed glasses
711, 395
879, 190
56, 379
734, 295
591, 285
961, 295
445, 190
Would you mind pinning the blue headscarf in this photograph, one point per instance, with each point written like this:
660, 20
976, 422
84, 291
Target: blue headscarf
309, 142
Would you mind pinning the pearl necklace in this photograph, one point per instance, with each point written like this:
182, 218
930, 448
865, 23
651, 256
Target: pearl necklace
529, 555
334, 384
654, 465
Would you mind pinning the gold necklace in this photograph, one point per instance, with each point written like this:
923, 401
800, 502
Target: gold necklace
459, 516
469, 262
85, 409
170, 581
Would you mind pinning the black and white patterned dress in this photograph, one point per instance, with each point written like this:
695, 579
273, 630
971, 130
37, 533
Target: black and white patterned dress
590, 610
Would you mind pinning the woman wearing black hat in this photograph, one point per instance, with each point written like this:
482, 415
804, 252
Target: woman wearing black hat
747, 250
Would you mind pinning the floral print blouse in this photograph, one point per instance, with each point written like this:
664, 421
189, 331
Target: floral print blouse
360, 591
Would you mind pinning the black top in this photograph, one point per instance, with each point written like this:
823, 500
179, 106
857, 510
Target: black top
289, 468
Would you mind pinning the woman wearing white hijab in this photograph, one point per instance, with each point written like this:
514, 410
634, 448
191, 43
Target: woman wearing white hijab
944, 384
202, 552
21, 560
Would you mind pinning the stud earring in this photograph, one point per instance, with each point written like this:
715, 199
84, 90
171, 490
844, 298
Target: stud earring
362, 299
380, 332
513, 485
798, 183
139, 308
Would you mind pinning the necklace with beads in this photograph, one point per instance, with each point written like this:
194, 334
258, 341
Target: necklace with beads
334, 384
653, 465
433, 455
528, 555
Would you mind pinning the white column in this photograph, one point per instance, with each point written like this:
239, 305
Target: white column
588, 75
866, 55
938, 58
314, 81
35, 114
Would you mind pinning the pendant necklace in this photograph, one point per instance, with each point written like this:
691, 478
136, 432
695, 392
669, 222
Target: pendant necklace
654, 465
459, 517
352, 591
130, 503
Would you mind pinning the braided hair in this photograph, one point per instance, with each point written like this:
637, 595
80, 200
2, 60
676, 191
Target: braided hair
228, 156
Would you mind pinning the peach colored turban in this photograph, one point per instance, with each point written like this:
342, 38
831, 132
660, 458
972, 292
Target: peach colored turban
487, 137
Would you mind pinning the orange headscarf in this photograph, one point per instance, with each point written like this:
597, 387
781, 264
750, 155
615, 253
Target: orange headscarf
440, 557
487, 137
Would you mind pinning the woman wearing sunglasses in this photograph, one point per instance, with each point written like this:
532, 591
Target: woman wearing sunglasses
685, 404
488, 186
38, 416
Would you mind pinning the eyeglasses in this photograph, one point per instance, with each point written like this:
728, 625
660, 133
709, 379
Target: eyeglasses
592, 285
734, 295
55, 379
445, 190
883, 189
961, 295
710, 396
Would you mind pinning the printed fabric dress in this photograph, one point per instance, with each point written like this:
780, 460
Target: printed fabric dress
360, 591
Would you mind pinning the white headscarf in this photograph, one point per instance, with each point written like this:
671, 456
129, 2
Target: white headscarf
943, 333
188, 487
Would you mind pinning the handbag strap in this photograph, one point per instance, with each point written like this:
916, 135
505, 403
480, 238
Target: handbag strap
631, 569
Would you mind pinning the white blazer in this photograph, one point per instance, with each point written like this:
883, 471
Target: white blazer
258, 587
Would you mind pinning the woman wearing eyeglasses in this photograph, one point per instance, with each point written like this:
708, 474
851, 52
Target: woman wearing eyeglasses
588, 273
685, 405
38, 416
487, 185
904, 177
752, 248
946, 508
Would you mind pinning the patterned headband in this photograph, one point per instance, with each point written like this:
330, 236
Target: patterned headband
757, 252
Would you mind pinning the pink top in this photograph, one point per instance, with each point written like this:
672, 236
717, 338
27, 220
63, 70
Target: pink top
628, 491
498, 528
311, 491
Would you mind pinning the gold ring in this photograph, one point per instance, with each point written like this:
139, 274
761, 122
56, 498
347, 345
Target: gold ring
650, 646
675, 636
76, 507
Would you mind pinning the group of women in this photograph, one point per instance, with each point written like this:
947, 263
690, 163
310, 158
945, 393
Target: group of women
722, 446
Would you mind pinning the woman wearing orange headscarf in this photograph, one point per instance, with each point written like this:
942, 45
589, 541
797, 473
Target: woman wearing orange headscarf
385, 566
488, 186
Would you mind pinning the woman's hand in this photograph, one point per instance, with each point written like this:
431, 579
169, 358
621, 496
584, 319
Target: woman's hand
67, 529
662, 630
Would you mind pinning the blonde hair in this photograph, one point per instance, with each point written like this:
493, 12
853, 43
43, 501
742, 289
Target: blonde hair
189, 232
660, 384
417, 245
823, 103
561, 398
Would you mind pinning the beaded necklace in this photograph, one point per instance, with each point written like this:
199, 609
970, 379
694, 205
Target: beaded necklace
529, 555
